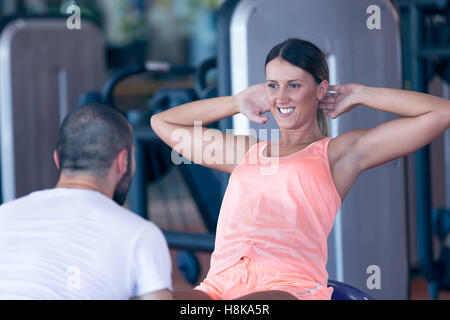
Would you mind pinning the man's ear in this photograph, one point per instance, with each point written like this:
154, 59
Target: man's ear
56, 159
122, 161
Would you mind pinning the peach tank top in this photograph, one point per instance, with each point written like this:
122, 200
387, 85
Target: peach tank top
279, 212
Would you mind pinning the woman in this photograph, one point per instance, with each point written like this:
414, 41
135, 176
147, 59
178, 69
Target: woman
272, 229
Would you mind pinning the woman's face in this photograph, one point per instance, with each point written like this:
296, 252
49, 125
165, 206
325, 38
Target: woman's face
292, 94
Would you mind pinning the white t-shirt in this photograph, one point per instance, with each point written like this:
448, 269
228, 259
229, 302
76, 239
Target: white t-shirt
78, 244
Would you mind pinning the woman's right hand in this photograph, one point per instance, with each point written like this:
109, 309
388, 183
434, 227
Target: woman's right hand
252, 103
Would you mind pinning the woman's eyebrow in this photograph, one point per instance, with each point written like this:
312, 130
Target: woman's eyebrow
288, 80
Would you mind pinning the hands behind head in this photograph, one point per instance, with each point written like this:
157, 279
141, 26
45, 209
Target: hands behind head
252, 103
341, 101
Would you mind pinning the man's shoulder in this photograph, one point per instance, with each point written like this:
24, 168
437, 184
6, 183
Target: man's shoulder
124, 214
78, 202
21, 201
127, 220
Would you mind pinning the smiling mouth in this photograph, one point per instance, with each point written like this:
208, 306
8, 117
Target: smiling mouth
285, 112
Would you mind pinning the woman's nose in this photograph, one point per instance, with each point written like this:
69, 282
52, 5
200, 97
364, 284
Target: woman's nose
282, 95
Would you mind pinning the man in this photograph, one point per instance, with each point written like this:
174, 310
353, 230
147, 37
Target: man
76, 241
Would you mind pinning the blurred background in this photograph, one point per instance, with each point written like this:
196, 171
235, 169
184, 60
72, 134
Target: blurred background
187, 35
178, 32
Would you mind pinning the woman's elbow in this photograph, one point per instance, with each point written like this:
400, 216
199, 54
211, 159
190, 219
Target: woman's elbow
447, 115
155, 122
444, 112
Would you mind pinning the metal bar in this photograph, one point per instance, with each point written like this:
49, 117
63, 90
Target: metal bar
63, 94
445, 94
137, 196
436, 52
145, 133
422, 161
334, 132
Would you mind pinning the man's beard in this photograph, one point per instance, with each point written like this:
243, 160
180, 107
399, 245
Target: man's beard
122, 187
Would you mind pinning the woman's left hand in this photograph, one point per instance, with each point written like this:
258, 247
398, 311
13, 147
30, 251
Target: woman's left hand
344, 100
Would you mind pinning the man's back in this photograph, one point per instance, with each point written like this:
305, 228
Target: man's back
78, 244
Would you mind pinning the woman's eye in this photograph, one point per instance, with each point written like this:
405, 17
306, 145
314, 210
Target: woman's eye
295, 85
272, 86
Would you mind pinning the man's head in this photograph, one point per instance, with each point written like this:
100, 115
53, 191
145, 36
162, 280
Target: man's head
97, 141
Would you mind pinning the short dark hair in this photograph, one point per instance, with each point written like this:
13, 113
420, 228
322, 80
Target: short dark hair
91, 137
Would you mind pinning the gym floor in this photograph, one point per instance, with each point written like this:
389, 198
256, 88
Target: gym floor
172, 208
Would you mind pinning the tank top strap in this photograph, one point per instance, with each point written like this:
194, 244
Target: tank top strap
323, 145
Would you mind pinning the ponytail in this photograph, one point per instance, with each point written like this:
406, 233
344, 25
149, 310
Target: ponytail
322, 122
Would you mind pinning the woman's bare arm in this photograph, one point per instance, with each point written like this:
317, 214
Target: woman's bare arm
207, 111
184, 129
424, 117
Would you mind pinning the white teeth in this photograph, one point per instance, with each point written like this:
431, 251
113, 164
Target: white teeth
286, 110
